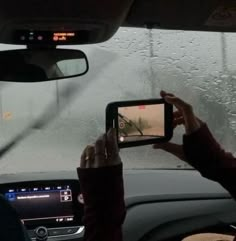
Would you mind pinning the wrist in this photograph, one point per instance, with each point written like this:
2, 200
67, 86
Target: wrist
100, 184
193, 127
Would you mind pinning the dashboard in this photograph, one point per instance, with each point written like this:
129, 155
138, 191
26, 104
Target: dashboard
49, 208
180, 203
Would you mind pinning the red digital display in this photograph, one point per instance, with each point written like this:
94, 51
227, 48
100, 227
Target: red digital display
51, 37
63, 36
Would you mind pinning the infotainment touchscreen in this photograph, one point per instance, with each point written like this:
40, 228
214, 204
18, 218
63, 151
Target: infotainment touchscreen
48, 205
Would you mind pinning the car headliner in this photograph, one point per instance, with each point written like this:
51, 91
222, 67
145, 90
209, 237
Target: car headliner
108, 16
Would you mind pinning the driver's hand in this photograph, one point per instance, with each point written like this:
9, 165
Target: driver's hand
104, 152
183, 116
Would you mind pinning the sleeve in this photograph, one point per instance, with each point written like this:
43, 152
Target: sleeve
11, 226
205, 154
104, 210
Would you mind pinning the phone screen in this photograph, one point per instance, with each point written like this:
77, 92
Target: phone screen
141, 122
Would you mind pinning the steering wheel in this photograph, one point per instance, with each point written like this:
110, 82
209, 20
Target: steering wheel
11, 228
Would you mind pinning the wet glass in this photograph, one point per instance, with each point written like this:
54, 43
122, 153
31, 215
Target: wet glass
135, 64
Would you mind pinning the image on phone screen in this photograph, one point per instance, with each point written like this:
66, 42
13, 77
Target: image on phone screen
139, 123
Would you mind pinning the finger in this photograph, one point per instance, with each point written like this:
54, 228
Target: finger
164, 94
90, 156
100, 151
174, 149
179, 104
183, 107
168, 146
112, 148
112, 145
191, 121
177, 114
179, 121
82, 159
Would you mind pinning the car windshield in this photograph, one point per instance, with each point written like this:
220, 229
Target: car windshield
135, 64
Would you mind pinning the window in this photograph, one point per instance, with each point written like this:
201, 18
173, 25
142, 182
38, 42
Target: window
135, 64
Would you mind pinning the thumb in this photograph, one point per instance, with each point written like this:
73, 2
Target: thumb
167, 146
172, 148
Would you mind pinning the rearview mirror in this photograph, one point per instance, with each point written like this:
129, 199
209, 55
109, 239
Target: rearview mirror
35, 65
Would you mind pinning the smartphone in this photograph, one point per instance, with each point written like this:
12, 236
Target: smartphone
140, 122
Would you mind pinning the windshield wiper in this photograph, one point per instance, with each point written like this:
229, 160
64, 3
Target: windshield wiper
130, 123
69, 93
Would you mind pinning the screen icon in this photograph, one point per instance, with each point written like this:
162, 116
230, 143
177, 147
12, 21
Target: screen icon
66, 195
10, 196
66, 198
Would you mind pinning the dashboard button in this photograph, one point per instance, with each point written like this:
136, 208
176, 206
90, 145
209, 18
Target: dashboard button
62, 231
31, 233
71, 230
41, 233
56, 232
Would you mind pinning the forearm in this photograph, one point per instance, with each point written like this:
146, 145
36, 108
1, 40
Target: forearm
104, 209
100, 227
204, 153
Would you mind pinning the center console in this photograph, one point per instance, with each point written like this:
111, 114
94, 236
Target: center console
47, 208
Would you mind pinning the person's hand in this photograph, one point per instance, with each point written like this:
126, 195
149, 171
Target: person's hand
183, 116
104, 152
